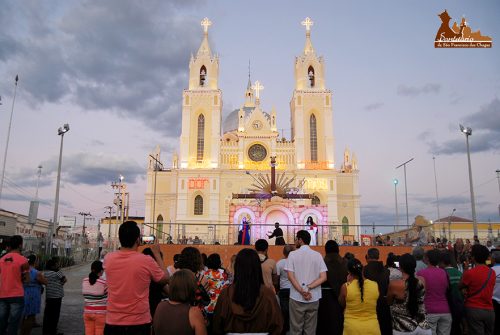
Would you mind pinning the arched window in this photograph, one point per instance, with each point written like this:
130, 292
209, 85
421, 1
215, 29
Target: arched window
345, 226
313, 138
159, 218
203, 75
200, 143
310, 75
198, 205
315, 201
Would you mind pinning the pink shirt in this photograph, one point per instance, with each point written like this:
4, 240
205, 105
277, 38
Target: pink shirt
128, 275
436, 283
11, 283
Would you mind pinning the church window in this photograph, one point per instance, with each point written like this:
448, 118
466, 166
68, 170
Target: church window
159, 227
186, 101
315, 201
182, 184
200, 143
313, 138
215, 185
345, 226
327, 100
299, 100
310, 75
203, 75
216, 100
198, 205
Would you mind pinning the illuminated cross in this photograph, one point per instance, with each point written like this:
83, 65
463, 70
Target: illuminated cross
257, 87
206, 23
307, 23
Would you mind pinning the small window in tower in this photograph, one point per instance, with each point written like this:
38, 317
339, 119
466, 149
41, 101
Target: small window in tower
328, 100
186, 101
216, 100
310, 74
313, 138
299, 100
203, 75
200, 142
198, 205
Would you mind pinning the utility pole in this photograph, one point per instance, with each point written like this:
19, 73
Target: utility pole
158, 165
109, 208
406, 191
84, 217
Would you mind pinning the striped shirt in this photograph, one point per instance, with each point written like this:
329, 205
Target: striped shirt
55, 282
96, 296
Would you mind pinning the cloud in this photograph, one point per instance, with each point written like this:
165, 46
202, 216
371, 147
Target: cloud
122, 56
27, 198
374, 106
413, 91
485, 136
85, 168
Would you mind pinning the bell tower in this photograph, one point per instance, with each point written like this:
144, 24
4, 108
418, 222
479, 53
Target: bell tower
311, 110
201, 109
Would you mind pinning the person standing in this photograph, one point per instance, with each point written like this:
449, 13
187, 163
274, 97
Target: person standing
375, 270
67, 246
312, 229
359, 296
306, 272
244, 232
421, 238
284, 287
268, 264
479, 283
278, 234
436, 285
32, 296
14, 270
95, 293
128, 275
495, 256
54, 294
330, 313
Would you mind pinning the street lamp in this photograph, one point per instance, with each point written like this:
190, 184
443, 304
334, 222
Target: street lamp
61, 131
449, 224
406, 190
468, 132
395, 181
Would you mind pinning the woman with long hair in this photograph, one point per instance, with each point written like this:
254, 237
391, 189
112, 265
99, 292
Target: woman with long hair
176, 315
247, 305
406, 298
95, 293
390, 264
359, 297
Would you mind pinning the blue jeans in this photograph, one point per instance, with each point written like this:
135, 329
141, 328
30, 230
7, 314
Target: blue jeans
11, 311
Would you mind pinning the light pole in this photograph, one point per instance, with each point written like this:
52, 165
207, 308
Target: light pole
498, 178
467, 131
406, 191
61, 131
436, 184
395, 181
449, 224
8, 137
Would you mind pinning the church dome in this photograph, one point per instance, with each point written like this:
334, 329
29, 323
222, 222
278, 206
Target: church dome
231, 121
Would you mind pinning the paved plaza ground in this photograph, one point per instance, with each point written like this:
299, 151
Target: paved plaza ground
71, 321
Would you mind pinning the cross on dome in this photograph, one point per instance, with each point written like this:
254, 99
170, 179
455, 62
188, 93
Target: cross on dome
257, 87
307, 23
205, 24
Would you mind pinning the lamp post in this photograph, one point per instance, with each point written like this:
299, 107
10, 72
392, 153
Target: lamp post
61, 131
449, 224
498, 178
395, 181
406, 190
467, 131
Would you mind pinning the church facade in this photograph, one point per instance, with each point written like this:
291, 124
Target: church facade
196, 195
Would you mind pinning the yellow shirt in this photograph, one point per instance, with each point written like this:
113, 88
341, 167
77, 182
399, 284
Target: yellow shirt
360, 317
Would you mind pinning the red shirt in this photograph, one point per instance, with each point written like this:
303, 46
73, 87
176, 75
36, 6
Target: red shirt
474, 280
12, 265
128, 275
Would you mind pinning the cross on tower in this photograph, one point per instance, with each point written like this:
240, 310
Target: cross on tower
257, 87
206, 23
307, 23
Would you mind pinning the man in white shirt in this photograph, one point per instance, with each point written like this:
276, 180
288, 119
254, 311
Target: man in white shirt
306, 272
284, 289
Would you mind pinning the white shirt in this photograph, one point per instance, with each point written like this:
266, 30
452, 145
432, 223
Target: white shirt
280, 270
306, 264
496, 290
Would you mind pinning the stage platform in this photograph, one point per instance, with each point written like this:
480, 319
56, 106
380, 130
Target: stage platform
275, 252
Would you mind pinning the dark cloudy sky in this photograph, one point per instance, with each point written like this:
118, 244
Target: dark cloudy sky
114, 70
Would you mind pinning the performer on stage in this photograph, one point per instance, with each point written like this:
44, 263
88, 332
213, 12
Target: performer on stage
278, 233
312, 229
244, 232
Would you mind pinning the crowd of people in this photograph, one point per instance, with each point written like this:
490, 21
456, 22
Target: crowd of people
439, 290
